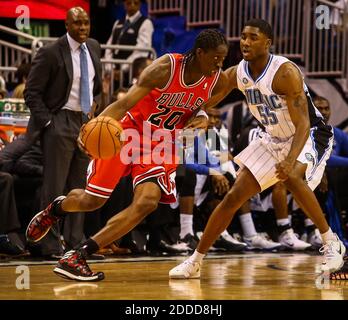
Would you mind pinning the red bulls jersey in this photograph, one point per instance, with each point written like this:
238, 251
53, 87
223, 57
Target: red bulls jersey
169, 108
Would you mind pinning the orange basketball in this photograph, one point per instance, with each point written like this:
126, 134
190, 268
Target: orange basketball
101, 137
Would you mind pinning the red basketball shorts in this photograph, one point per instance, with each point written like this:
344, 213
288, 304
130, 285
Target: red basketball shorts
104, 175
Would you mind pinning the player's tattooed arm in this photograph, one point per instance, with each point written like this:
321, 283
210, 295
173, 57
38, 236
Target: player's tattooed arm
288, 82
300, 101
225, 84
156, 75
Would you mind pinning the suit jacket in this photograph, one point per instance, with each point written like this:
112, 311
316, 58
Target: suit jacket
50, 79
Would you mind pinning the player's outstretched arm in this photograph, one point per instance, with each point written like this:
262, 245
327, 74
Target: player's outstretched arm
156, 75
226, 83
288, 82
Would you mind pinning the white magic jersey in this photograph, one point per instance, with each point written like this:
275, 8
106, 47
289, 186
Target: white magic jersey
267, 107
272, 147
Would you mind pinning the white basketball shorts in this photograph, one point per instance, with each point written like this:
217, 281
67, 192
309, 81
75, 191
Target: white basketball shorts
263, 153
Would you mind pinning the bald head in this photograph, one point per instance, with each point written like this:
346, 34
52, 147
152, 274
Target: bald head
74, 12
77, 24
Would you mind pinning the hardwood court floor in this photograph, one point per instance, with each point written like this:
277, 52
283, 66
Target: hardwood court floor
249, 276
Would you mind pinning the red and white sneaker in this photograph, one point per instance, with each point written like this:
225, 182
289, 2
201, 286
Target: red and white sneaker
73, 266
42, 222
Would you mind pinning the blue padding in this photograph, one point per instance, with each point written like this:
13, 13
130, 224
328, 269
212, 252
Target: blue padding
176, 22
180, 42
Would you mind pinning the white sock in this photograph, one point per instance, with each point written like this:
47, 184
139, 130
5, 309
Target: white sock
328, 235
186, 221
248, 226
197, 257
308, 222
226, 234
283, 222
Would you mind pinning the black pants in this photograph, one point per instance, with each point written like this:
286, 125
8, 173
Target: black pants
185, 181
64, 169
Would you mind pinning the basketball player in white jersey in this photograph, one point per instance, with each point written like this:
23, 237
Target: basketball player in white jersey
294, 148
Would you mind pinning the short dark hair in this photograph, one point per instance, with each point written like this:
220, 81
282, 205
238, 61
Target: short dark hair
263, 26
208, 39
23, 71
320, 98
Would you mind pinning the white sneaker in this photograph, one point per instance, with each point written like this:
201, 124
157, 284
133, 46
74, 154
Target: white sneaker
289, 240
227, 243
304, 237
333, 251
182, 246
315, 239
260, 242
231, 239
186, 270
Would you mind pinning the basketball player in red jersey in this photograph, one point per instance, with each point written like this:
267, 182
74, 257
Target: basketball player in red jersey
169, 92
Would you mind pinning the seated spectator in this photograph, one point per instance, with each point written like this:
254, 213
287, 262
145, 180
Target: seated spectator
252, 238
335, 172
196, 202
27, 172
3, 93
9, 220
139, 64
21, 75
218, 176
23, 161
118, 94
11, 152
2, 144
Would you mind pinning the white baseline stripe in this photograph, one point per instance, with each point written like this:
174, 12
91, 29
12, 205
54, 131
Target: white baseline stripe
100, 188
148, 177
97, 194
149, 171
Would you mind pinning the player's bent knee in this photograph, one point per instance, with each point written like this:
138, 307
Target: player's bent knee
91, 203
146, 204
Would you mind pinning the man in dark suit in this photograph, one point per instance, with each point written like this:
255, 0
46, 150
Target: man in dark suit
63, 81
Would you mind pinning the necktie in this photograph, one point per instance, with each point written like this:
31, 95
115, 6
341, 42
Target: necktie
124, 28
84, 81
126, 24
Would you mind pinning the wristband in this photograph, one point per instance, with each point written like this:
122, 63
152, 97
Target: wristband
202, 113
